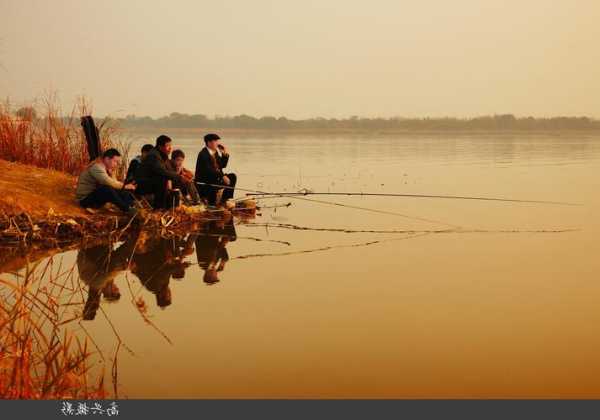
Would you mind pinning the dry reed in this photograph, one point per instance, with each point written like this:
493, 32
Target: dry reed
42, 136
41, 357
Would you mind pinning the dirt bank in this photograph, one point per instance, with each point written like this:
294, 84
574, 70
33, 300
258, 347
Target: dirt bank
36, 191
38, 208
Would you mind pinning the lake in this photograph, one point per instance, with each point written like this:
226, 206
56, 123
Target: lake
374, 297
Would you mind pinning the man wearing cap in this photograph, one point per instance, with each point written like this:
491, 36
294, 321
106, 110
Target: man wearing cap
209, 171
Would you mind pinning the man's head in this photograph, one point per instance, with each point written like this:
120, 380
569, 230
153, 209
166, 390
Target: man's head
163, 143
212, 141
178, 157
146, 149
111, 159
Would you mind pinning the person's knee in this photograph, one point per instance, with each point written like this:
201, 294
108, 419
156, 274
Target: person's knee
126, 196
105, 190
232, 178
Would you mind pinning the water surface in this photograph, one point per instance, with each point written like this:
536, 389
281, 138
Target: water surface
497, 305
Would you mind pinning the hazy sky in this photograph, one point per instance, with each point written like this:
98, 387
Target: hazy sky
304, 58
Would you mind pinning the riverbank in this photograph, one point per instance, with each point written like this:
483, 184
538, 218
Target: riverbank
38, 207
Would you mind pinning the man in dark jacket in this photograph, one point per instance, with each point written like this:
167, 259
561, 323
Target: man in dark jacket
153, 173
212, 159
135, 162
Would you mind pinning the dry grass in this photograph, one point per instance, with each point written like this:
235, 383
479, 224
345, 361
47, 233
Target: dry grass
40, 355
42, 136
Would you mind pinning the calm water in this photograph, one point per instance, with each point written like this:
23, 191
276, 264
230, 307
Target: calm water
258, 309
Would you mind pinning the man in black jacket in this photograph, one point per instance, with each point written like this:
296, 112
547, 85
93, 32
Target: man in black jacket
153, 173
135, 162
212, 159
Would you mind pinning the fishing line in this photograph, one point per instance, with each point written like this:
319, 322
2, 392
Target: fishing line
333, 203
451, 197
391, 213
326, 248
404, 231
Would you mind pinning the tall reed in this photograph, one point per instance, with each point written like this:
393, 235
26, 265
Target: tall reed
42, 136
41, 357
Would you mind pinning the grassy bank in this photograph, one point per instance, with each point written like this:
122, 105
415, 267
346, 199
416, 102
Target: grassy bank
37, 206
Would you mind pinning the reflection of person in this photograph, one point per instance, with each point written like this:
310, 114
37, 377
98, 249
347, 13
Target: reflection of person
157, 259
211, 161
98, 266
211, 249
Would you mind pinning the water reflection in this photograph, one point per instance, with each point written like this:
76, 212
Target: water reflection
154, 260
211, 250
98, 267
158, 259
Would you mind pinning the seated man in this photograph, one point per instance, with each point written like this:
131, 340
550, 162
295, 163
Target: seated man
209, 171
135, 162
97, 184
187, 188
153, 173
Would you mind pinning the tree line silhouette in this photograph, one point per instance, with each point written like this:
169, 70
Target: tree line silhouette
500, 122
504, 122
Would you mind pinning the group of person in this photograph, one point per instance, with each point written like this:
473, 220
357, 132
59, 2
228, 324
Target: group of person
158, 174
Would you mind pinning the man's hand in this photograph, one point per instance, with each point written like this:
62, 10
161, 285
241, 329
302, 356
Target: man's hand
187, 176
223, 149
130, 186
226, 180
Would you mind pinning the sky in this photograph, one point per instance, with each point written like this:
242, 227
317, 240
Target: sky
305, 58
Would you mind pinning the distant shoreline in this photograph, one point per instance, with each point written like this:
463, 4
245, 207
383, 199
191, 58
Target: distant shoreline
357, 132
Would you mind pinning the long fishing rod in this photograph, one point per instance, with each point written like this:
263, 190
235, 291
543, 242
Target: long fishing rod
333, 203
451, 197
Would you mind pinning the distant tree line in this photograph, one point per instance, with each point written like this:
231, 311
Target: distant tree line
502, 122
505, 122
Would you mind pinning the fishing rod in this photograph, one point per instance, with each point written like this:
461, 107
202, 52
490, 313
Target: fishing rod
450, 197
333, 203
